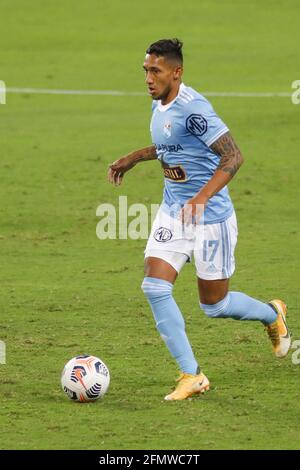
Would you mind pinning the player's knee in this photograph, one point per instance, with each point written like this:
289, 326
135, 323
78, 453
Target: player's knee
217, 310
156, 289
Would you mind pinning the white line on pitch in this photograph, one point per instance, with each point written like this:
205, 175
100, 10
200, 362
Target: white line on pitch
46, 91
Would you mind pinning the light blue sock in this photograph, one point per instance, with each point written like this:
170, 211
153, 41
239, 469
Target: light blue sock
169, 322
241, 307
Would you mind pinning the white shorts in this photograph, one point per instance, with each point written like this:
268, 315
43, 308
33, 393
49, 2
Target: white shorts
212, 245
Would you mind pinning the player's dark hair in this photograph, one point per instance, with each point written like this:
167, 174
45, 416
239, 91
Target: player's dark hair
169, 48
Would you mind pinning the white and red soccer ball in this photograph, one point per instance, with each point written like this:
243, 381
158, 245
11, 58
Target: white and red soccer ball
85, 378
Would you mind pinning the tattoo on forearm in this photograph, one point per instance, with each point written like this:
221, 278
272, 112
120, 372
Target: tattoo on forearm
229, 153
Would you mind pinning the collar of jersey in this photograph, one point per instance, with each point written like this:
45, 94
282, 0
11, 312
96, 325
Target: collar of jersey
164, 107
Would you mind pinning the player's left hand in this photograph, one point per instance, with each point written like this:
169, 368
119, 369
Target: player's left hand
192, 211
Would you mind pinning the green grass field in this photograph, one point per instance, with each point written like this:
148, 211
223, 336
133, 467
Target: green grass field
65, 292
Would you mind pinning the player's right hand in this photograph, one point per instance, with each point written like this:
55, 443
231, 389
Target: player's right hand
117, 169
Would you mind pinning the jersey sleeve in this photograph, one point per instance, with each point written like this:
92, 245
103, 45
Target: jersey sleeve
203, 123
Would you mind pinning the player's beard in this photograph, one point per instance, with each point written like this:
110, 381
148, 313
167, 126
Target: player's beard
164, 94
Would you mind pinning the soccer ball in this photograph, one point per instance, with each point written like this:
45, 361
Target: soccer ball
85, 378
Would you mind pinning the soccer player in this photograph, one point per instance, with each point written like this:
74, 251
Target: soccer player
196, 218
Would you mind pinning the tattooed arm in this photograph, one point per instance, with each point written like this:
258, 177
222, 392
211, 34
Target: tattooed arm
119, 167
230, 161
229, 153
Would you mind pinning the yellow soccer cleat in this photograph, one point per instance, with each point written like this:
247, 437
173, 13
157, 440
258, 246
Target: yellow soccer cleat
278, 330
189, 385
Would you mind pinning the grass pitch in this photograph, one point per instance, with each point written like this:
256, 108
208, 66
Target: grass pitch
64, 292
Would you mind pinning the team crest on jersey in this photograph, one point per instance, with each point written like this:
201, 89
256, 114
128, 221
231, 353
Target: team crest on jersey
163, 234
167, 129
196, 124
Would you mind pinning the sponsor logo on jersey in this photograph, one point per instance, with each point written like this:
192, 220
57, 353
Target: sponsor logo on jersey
163, 234
174, 173
196, 124
168, 148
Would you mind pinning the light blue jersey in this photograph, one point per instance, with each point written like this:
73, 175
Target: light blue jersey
182, 132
